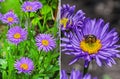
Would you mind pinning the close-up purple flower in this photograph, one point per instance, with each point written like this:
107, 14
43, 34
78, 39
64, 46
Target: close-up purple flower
24, 65
75, 74
69, 19
16, 35
10, 18
95, 41
45, 42
29, 6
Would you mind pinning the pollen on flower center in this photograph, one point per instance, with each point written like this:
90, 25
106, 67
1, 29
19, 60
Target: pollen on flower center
17, 35
63, 22
24, 66
90, 44
10, 19
28, 7
45, 42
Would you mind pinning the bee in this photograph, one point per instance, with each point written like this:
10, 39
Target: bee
90, 38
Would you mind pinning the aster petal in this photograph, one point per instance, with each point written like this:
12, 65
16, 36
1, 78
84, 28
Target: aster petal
101, 56
75, 74
74, 60
109, 63
112, 60
98, 61
86, 63
104, 30
63, 75
65, 39
87, 76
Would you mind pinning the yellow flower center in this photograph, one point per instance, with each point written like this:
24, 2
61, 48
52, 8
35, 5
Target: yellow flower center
63, 22
17, 35
28, 7
24, 66
45, 42
10, 19
91, 45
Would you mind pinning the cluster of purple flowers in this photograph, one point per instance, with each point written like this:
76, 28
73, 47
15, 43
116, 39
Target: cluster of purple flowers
16, 35
85, 38
11, 18
89, 39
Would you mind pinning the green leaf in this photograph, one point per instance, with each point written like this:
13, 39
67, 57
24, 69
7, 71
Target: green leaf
43, 1
55, 4
46, 77
3, 63
45, 10
4, 75
11, 5
36, 76
35, 21
32, 14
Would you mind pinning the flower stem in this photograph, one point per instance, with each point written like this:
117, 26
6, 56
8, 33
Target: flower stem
86, 67
17, 50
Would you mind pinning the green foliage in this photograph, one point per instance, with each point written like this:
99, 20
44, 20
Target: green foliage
11, 5
45, 10
46, 63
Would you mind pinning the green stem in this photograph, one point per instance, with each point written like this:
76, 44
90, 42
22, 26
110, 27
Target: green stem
16, 50
86, 69
40, 27
44, 21
26, 76
27, 23
9, 57
28, 19
42, 61
38, 58
39, 54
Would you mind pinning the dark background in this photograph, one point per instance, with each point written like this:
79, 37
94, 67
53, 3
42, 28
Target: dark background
109, 10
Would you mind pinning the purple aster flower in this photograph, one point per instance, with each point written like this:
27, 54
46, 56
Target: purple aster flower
45, 42
63, 75
1, 0
10, 18
37, 5
31, 6
75, 74
1, 16
24, 65
69, 19
16, 34
95, 41
28, 7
